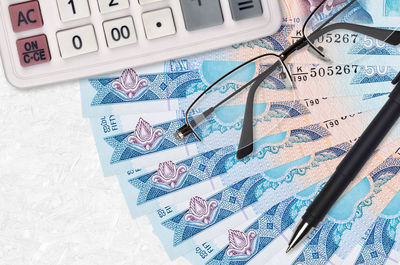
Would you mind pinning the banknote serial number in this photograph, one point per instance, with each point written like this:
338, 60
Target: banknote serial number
338, 38
322, 71
313, 102
329, 124
204, 250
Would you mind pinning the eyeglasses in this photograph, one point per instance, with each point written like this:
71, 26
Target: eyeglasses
236, 109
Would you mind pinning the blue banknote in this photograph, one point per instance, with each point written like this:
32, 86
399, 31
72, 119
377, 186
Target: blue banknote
135, 143
175, 90
219, 168
153, 187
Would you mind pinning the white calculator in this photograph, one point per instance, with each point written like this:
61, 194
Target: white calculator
47, 41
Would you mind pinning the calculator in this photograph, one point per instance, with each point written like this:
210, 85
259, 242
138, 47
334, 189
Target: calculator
48, 41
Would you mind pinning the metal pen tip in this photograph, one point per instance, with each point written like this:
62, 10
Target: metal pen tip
301, 231
292, 243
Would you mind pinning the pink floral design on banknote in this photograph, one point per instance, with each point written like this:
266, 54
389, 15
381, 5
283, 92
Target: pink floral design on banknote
200, 210
130, 84
240, 243
145, 135
169, 174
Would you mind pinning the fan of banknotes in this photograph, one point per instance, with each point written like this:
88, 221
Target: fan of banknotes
212, 208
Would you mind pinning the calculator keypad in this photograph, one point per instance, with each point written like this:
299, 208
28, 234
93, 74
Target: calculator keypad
120, 32
44, 41
33, 50
77, 41
73, 9
201, 14
159, 23
25, 16
244, 9
107, 6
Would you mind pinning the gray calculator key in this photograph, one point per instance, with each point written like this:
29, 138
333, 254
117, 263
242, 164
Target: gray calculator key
199, 14
243, 9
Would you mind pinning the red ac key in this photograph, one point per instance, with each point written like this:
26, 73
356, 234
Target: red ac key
25, 16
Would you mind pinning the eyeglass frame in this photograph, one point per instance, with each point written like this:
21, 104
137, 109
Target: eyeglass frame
245, 147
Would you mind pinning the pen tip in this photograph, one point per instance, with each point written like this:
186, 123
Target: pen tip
288, 249
301, 231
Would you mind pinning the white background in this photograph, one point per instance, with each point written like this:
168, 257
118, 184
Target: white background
56, 207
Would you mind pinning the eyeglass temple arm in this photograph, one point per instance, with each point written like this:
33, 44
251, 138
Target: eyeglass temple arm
246, 138
391, 37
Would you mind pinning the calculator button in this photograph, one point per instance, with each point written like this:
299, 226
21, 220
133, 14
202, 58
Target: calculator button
25, 16
159, 23
119, 32
143, 2
77, 41
107, 6
201, 14
73, 9
243, 9
33, 50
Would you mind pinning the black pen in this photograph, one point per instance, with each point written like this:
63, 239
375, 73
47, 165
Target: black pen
350, 166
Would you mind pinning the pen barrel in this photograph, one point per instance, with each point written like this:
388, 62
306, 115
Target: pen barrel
355, 160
